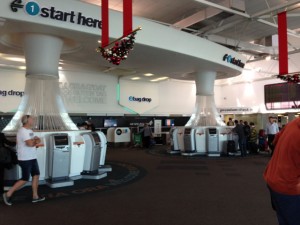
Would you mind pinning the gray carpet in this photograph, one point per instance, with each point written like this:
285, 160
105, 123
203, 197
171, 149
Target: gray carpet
175, 191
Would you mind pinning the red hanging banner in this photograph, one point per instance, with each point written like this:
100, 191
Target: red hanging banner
105, 23
283, 43
127, 17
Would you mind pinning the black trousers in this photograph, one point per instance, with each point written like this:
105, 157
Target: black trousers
270, 141
146, 141
2, 178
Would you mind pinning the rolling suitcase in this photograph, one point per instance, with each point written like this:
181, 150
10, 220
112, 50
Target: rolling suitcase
230, 147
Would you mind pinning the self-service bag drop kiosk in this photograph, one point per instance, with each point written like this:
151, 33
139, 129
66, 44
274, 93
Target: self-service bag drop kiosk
200, 140
59, 160
174, 141
194, 141
92, 156
103, 145
212, 141
189, 142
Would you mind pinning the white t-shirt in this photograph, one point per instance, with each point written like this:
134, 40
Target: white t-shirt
25, 152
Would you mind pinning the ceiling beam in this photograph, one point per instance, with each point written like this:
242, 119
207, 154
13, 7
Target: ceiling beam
197, 17
275, 9
201, 15
245, 15
224, 27
223, 8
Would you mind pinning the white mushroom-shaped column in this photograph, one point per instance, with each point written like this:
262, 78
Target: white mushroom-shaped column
205, 112
42, 97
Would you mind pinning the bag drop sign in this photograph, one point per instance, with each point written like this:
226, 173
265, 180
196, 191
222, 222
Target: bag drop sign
139, 99
5, 93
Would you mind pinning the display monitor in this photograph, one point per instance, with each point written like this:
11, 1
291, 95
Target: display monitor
110, 123
96, 138
169, 122
212, 131
187, 131
61, 140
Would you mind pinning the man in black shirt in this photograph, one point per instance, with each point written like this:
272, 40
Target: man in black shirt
239, 130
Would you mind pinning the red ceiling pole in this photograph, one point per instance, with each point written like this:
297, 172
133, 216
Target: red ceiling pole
127, 17
105, 23
283, 43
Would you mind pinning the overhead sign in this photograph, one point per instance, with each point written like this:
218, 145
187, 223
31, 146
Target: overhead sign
33, 8
235, 110
139, 99
5, 93
233, 60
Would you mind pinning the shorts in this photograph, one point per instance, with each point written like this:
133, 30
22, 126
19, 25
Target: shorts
29, 167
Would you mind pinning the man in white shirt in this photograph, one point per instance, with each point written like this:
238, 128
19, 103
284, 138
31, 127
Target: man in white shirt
27, 157
271, 130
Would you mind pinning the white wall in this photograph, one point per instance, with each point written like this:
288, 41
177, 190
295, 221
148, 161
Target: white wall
249, 94
96, 93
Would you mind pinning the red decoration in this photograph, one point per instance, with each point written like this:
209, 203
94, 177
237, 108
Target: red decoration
105, 23
127, 17
291, 77
122, 45
283, 44
120, 50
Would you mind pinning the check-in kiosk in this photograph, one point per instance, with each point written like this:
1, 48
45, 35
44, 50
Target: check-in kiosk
200, 140
189, 142
59, 160
174, 141
212, 141
224, 133
103, 148
92, 156
180, 138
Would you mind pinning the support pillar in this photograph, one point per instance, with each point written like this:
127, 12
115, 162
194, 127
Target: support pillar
42, 98
205, 112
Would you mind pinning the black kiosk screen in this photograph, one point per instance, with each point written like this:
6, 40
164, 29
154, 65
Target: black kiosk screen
213, 131
61, 140
96, 138
187, 131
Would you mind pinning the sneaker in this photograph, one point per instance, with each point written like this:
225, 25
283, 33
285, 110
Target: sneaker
6, 200
39, 199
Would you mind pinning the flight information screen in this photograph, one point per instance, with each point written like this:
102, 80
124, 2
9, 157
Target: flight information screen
282, 96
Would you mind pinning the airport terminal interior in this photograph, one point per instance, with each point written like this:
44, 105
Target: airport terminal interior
135, 103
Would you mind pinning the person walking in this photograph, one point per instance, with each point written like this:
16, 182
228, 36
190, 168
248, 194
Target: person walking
3, 143
271, 130
239, 130
147, 135
282, 174
27, 158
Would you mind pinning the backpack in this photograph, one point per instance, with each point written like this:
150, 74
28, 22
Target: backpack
5, 155
247, 130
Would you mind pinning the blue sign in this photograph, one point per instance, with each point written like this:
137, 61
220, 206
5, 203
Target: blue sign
232, 60
32, 8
